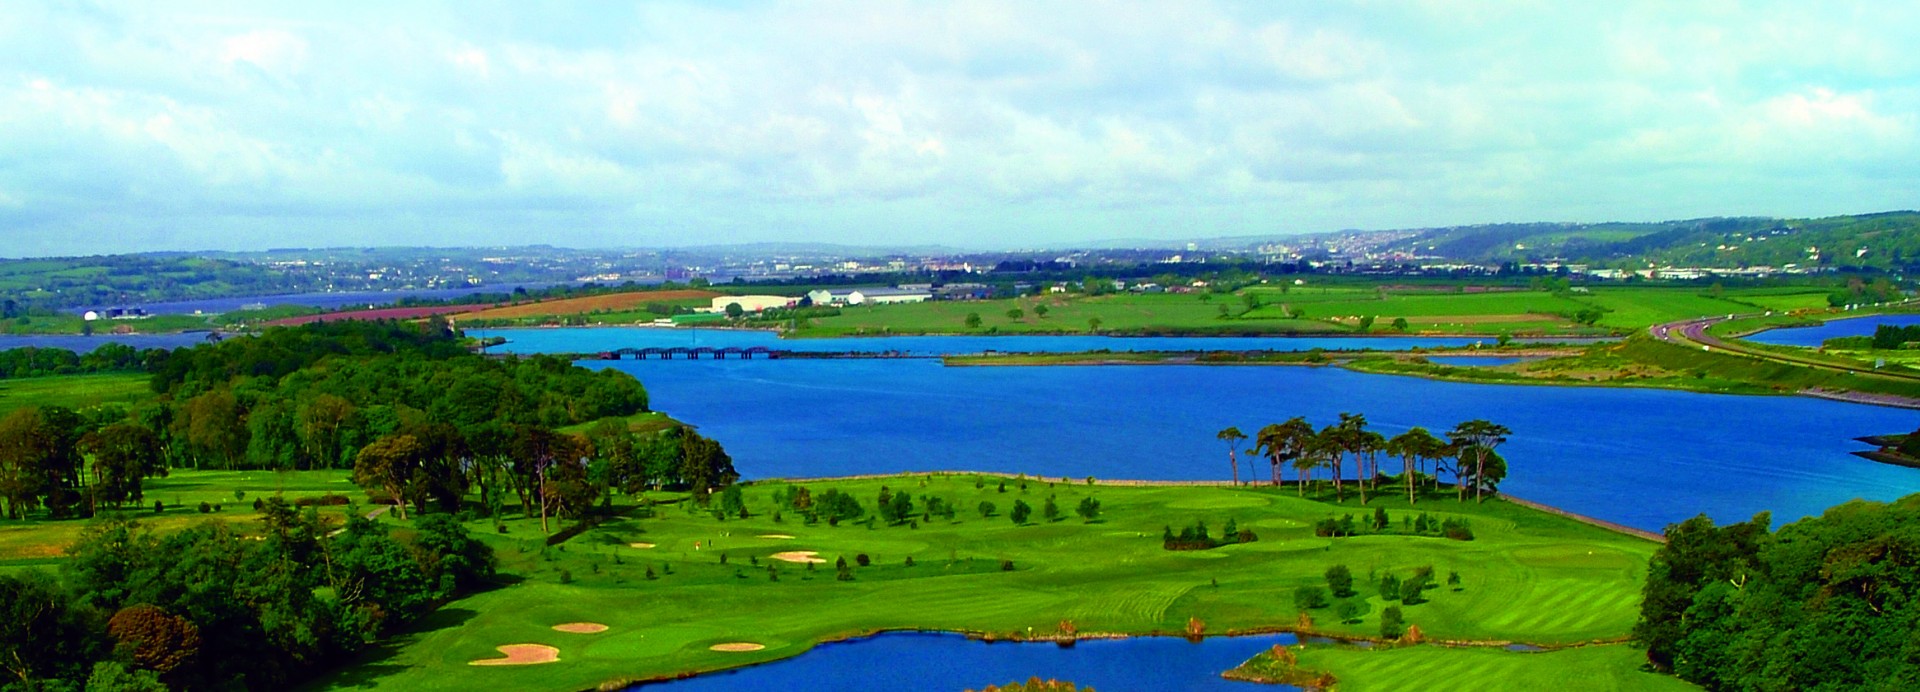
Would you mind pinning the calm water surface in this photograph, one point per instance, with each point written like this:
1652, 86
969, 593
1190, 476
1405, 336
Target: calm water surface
951, 662
1641, 457
1812, 336
598, 339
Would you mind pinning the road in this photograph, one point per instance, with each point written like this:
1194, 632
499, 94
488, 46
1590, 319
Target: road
1692, 333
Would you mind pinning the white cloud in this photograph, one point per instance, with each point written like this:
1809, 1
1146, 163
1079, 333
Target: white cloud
1018, 123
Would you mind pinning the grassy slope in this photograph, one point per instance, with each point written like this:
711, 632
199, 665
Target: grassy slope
73, 391
1441, 669
1530, 577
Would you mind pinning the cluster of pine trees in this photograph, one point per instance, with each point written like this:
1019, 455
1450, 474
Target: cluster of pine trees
1828, 602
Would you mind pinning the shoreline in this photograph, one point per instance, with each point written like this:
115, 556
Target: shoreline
1090, 481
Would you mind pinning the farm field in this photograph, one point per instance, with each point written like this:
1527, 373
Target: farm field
1118, 313
611, 302
73, 391
1639, 308
1528, 577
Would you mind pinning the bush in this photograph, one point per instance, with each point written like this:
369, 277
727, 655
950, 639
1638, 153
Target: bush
205, 507
1392, 623
158, 506
863, 560
1006, 565
1340, 581
1020, 512
1309, 598
1350, 611
987, 509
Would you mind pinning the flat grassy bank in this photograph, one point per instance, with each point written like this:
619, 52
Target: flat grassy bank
1528, 576
1445, 669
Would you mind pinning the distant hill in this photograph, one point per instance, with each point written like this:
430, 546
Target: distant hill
1885, 241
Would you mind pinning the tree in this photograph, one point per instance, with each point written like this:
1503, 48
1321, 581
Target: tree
1089, 509
1340, 581
43, 637
1478, 437
1051, 510
1040, 311
734, 311
32, 460
1309, 598
973, 320
987, 509
1232, 436
1415, 443
159, 641
1400, 324
388, 463
1281, 442
1015, 314
124, 454
1020, 512
1392, 623
1093, 324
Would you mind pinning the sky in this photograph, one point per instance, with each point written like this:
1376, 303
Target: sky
185, 125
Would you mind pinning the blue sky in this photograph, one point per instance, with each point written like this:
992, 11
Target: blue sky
199, 125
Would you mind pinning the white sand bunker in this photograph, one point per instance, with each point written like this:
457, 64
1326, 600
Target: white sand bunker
581, 627
521, 655
737, 647
779, 536
799, 556
642, 546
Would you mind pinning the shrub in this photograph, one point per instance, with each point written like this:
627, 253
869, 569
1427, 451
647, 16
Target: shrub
1390, 587
205, 507
1309, 598
1020, 512
1340, 581
158, 506
1350, 611
1392, 623
986, 509
863, 560
1411, 591
1006, 565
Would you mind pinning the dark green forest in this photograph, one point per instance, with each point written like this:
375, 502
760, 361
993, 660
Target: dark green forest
425, 425
1825, 603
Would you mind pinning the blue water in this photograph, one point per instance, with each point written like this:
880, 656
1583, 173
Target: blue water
1811, 337
912, 661
1640, 457
577, 340
325, 301
83, 344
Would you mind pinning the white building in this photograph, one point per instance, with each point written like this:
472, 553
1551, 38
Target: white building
752, 303
876, 295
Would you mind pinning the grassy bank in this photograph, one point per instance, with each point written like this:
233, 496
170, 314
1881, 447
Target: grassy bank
1528, 577
1443, 669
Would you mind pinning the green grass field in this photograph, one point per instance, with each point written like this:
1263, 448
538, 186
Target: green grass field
73, 391
41, 543
1121, 313
1529, 577
1639, 308
1443, 669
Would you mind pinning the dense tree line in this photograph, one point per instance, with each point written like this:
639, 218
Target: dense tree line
208, 608
32, 361
418, 418
1828, 602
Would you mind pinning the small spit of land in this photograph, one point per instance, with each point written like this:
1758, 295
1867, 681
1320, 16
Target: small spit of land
713, 593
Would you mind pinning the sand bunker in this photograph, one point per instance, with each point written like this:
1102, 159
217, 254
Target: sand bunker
780, 536
737, 647
642, 546
581, 627
799, 556
521, 655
